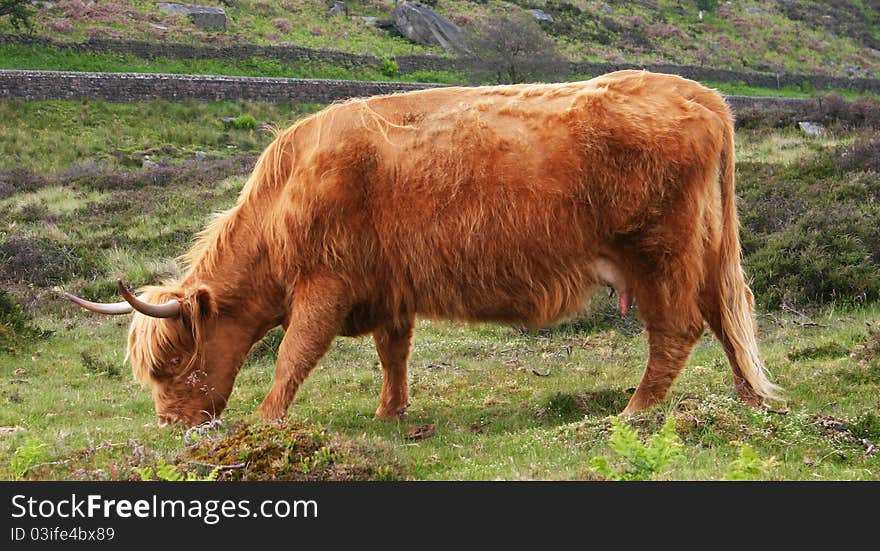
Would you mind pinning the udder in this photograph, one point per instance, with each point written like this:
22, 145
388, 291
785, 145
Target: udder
610, 274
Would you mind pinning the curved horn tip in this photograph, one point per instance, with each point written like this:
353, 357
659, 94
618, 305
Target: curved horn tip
170, 309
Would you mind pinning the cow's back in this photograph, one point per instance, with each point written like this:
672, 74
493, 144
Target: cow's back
489, 202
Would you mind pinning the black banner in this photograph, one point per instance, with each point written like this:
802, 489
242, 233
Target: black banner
113, 514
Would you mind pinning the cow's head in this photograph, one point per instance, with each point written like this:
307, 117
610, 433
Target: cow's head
178, 345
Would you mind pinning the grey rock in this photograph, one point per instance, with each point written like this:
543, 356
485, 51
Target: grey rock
158, 27
423, 25
149, 163
541, 16
812, 128
366, 20
206, 18
339, 8
201, 155
755, 10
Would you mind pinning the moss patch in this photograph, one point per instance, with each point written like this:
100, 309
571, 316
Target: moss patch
284, 451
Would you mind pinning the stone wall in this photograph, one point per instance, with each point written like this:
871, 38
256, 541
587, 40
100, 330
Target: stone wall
412, 63
755, 80
126, 87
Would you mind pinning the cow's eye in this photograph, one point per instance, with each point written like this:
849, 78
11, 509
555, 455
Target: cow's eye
175, 361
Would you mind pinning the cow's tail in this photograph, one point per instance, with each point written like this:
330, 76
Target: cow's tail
736, 300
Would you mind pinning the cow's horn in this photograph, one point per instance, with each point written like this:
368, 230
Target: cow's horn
170, 309
113, 309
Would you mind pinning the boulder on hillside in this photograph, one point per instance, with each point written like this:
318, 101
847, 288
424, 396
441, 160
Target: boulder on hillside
541, 16
811, 128
339, 8
206, 18
423, 25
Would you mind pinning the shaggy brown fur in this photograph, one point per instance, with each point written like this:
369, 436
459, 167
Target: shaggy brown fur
505, 204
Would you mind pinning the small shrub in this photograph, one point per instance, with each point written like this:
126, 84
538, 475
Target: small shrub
749, 465
281, 24
20, 180
33, 212
34, 261
862, 155
245, 122
83, 172
390, 68
15, 325
26, 456
636, 460
171, 473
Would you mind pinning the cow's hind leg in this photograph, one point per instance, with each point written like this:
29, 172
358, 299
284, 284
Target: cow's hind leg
393, 346
674, 325
320, 305
710, 305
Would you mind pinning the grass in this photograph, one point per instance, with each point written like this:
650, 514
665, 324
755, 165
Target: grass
63, 379
121, 135
494, 418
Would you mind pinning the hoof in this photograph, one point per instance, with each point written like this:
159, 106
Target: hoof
270, 413
391, 412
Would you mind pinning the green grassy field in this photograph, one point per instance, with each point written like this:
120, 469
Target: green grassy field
504, 403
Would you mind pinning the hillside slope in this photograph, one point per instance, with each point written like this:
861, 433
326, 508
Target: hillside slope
838, 37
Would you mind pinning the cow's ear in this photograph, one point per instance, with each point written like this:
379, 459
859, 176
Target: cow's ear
200, 304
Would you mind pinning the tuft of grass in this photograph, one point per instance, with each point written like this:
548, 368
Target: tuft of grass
866, 425
100, 366
829, 350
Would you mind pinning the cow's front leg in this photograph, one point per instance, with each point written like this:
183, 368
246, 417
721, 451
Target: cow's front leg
393, 346
320, 305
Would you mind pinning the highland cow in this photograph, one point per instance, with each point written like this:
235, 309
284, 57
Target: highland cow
506, 204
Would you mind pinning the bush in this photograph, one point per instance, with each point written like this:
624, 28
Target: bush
841, 115
811, 230
34, 261
826, 256
20, 180
862, 155
514, 49
245, 122
19, 11
15, 324
390, 68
